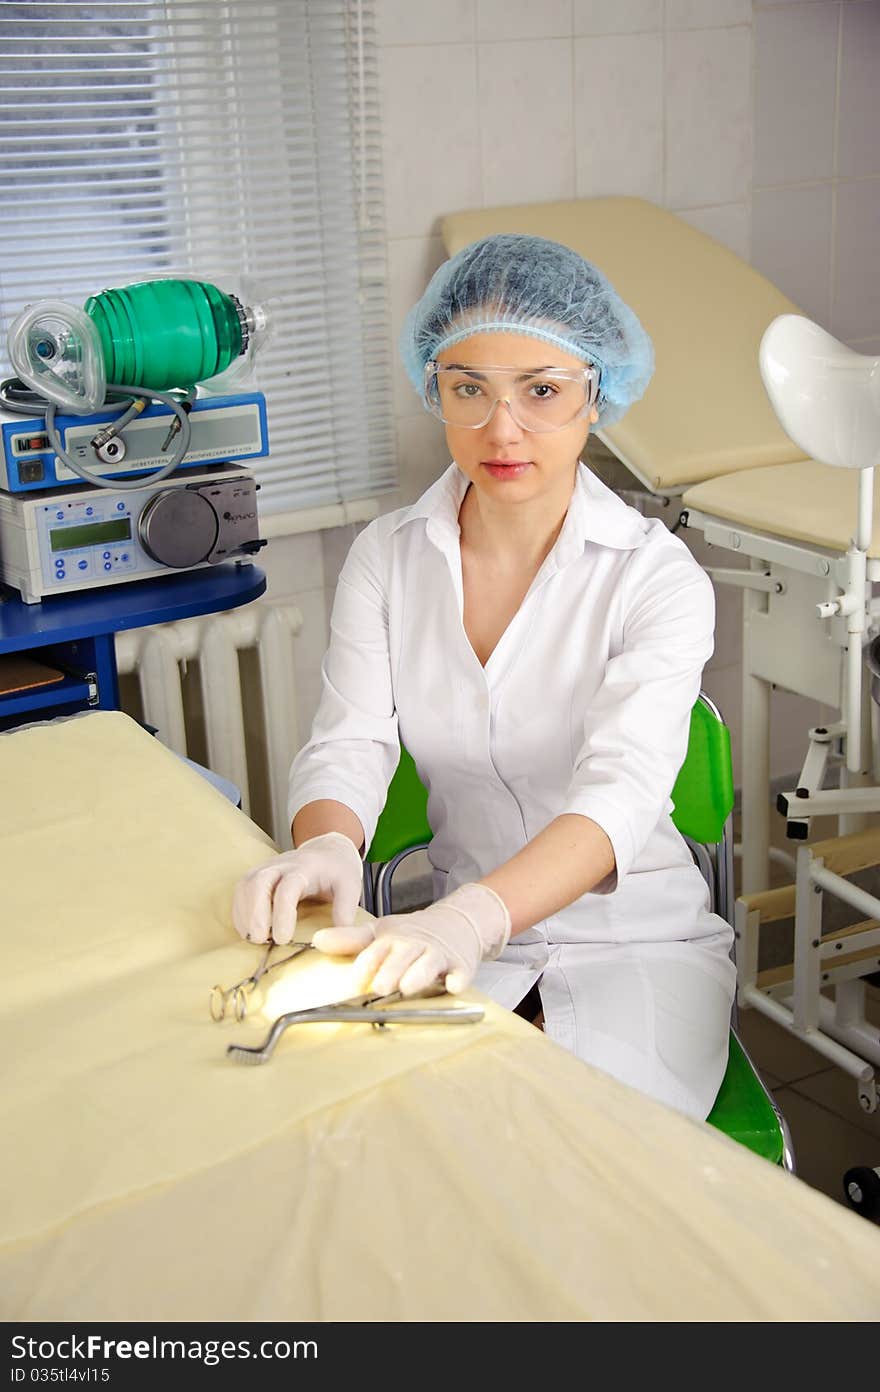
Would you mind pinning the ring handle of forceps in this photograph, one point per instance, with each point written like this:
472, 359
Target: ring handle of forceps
239, 993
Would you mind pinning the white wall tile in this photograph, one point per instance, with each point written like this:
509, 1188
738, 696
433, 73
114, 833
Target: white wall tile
525, 115
431, 135
855, 311
422, 454
708, 117
858, 148
292, 564
707, 14
309, 648
620, 17
619, 141
411, 263
795, 78
791, 244
522, 19
869, 346
728, 625
728, 223
791, 717
336, 543
418, 22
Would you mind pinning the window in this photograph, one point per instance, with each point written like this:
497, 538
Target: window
232, 141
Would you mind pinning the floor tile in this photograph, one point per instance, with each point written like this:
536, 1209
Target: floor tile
836, 1091
770, 1081
773, 1050
825, 1146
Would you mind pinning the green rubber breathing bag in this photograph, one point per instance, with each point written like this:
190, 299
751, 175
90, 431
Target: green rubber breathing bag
156, 334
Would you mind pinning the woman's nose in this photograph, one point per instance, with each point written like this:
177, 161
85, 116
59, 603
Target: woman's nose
501, 425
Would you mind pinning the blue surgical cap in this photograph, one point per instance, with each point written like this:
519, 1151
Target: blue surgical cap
520, 284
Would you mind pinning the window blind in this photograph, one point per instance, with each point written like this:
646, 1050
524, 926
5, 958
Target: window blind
231, 141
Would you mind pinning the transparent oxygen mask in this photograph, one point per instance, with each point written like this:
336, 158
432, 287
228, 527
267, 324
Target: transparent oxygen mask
155, 334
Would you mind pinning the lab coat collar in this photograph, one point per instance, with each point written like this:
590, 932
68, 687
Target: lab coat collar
595, 514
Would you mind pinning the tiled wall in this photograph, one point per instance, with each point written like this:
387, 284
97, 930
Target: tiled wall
816, 195
508, 101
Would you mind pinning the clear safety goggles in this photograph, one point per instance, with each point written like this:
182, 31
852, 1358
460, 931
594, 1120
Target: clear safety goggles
537, 401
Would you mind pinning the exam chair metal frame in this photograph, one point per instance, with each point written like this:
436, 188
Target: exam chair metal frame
706, 823
827, 400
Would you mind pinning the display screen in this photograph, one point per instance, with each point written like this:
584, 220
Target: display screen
90, 534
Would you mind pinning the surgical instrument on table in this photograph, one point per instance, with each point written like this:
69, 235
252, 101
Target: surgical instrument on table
358, 1010
239, 993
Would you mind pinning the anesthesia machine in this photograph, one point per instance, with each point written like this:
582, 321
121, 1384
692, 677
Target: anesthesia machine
114, 466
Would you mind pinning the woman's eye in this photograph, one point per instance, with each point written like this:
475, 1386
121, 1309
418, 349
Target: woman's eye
467, 389
542, 390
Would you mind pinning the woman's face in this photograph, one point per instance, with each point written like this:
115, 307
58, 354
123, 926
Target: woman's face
503, 460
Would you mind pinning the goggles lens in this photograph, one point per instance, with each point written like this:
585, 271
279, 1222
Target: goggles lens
538, 401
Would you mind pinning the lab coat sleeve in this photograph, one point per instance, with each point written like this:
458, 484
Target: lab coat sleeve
636, 728
354, 747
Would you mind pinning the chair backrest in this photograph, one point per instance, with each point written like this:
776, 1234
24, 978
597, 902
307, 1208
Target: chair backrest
703, 793
403, 822
702, 797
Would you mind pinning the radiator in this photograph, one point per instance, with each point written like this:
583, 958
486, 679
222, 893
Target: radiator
158, 656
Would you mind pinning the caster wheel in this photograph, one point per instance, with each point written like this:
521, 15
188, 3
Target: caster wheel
861, 1187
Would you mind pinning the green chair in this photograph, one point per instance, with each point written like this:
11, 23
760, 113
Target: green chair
703, 812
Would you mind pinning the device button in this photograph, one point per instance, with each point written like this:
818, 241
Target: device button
60, 516
120, 507
31, 471
105, 555
108, 565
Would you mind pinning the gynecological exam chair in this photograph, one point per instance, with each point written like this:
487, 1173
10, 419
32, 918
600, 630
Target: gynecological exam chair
828, 399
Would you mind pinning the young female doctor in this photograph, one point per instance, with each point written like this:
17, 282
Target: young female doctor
537, 646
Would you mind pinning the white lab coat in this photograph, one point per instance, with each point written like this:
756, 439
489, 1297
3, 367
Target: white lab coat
582, 707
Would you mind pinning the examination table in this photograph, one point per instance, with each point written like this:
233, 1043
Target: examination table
418, 1172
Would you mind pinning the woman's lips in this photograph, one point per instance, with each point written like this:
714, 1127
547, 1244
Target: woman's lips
506, 468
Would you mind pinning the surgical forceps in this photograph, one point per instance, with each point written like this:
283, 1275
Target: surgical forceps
359, 1010
238, 994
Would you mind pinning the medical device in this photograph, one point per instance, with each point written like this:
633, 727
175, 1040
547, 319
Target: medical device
152, 341
223, 429
809, 619
361, 1010
158, 333
82, 538
237, 995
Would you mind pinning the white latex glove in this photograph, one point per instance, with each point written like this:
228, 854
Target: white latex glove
409, 952
265, 900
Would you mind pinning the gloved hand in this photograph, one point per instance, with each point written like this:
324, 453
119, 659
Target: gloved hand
265, 900
409, 952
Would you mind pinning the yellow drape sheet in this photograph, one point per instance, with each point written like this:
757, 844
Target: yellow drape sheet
475, 1172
